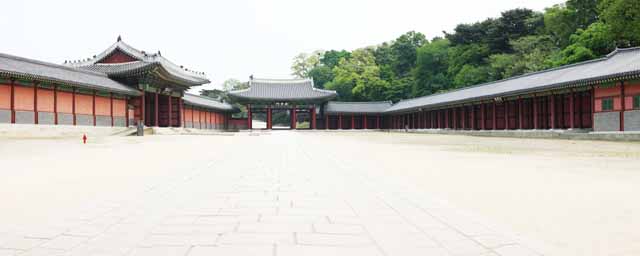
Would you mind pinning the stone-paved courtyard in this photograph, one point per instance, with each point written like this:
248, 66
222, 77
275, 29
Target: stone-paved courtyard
299, 193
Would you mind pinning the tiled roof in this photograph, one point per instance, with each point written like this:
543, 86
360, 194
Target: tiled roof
282, 90
374, 107
622, 63
143, 59
24, 68
206, 102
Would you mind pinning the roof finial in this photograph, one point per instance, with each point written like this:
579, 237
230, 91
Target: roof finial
251, 77
119, 38
159, 53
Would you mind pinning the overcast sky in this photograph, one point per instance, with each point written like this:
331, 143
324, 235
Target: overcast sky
234, 38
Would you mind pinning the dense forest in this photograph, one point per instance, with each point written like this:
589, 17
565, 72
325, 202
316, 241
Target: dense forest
518, 42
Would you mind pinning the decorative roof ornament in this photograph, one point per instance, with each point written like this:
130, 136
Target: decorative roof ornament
119, 38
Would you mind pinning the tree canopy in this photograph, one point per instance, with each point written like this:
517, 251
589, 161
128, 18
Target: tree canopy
518, 42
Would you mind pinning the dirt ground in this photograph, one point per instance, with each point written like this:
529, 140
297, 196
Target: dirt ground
566, 197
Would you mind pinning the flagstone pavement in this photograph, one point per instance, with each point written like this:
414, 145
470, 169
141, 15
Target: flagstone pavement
278, 197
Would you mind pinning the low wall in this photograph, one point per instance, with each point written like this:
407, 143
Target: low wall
536, 134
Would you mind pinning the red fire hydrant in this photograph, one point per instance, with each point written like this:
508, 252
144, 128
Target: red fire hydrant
84, 139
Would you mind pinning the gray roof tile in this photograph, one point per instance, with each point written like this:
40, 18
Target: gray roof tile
43, 71
620, 63
374, 107
282, 90
206, 102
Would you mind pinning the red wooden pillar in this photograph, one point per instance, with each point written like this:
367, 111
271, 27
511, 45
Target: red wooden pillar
580, 109
35, 102
294, 118
313, 118
353, 122
520, 121
495, 121
622, 101
378, 122
455, 118
269, 124
464, 118
170, 110
55, 104
483, 116
143, 105
535, 111
126, 112
593, 106
572, 115
73, 104
340, 121
156, 108
249, 116
193, 125
111, 107
181, 110
506, 115
473, 117
364, 121
93, 110
552, 111
13, 101
326, 120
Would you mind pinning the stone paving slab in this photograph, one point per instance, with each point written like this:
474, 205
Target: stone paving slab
276, 204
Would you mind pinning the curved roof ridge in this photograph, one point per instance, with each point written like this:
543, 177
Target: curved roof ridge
362, 102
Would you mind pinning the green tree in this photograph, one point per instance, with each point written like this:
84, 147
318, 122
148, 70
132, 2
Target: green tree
331, 58
431, 68
403, 51
471, 75
321, 75
303, 63
357, 78
623, 19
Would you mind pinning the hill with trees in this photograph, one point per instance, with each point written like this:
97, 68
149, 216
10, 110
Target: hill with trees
518, 42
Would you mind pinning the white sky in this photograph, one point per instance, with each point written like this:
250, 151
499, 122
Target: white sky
229, 39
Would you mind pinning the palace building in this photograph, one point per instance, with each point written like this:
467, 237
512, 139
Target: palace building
601, 95
121, 86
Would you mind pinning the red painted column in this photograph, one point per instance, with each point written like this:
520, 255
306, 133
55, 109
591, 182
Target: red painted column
506, 115
193, 125
170, 110
495, 121
364, 121
249, 116
473, 117
93, 110
378, 122
35, 102
182, 120
155, 103
622, 101
353, 122
520, 122
340, 121
55, 104
269, 117
143, 106
483, 116
464, 118
13, 101
313, 118
535, 112
126, 112
572, 115
593, 106
73, 104
580, 109
552, 111
111, 107
294, 117
455, 118
326, 120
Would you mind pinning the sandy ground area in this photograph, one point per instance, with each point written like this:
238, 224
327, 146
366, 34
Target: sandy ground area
559, 197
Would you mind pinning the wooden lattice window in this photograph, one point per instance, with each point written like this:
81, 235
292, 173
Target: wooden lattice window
607, 104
